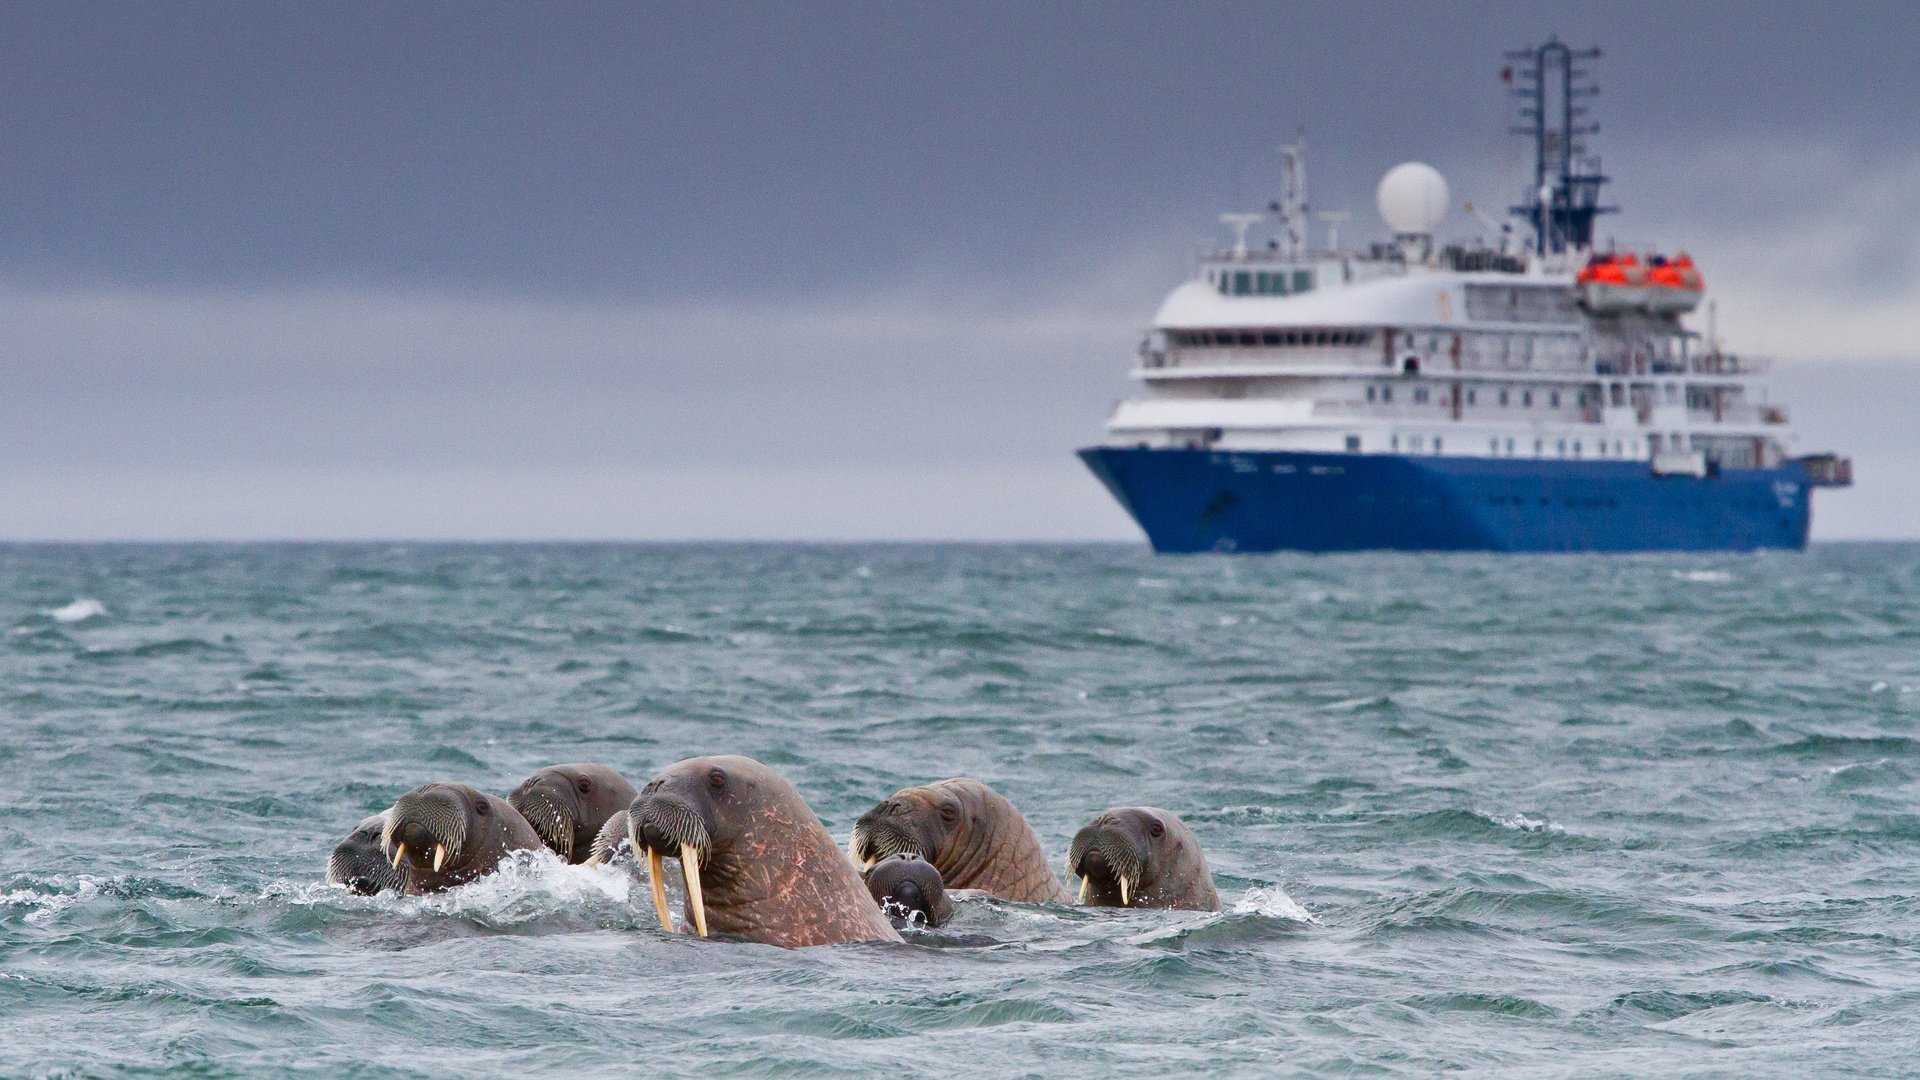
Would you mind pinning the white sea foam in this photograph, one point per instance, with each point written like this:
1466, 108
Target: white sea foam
1709, 577
47, 906
1522, 823
526, 886
1851, 766
1273, 902
79, 611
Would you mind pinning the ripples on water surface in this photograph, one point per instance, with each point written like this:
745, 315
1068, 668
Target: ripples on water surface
1526, 814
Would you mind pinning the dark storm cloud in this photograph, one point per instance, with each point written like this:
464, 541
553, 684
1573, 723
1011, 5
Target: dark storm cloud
848, 270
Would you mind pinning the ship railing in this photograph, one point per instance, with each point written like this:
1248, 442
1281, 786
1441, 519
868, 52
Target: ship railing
1722, 363
1828, 470
1751, 414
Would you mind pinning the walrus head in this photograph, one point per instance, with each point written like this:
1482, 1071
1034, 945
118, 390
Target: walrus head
909, 890
676, 816
568, 804
358, 862
428, 830
1140, 856
755, 859
968, 831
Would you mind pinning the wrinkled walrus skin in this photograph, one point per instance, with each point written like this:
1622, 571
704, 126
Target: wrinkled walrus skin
755, 859
969, 832
444, 835
1144, 857
569, 804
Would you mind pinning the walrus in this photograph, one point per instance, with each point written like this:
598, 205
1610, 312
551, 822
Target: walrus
756, 861
910, 891
1141, 856
611, 842
448, 834
569, 804
969, 832
359, 864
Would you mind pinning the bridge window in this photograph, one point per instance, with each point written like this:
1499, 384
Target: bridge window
1470, 396
1302, 280
1386, 393
1249, 339
1436, 444
1420, 396
1553, 399
1369, 391
1509, 447
1270, 338
1353, 444
1503, 399
1526, 399
1493, 445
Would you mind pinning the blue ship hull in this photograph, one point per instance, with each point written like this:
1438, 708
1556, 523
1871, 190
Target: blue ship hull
1191, 500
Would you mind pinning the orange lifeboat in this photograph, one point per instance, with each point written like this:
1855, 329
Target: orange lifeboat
1673, 286
1612, 282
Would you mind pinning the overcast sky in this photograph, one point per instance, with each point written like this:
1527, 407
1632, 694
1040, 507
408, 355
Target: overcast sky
820, 271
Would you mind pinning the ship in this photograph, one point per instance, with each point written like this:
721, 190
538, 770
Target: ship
1521, 391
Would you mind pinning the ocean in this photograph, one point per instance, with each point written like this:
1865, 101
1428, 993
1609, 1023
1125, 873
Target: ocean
1553, 815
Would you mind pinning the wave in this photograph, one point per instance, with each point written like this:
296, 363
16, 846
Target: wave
79, 611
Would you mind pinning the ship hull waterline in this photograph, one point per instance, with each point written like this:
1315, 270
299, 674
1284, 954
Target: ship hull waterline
1201, 500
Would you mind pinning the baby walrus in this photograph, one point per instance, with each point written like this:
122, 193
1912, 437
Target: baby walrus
1141, 856
444, 835
569, 804
755, 859
969, 832
910, 891
360, 865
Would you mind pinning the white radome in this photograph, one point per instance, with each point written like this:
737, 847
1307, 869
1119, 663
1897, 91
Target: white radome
1413, 198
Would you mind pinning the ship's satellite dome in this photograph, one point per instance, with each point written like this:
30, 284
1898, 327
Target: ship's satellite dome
1413, 197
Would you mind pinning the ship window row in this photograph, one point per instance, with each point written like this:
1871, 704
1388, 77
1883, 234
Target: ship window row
1271, 339
1498, 447
1384, 393
1261, 282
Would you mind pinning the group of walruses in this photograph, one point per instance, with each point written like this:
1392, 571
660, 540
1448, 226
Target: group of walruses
755, 861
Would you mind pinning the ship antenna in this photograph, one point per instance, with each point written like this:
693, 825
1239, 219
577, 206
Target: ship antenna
1239, 223
1333, 218
1293, 195
1552, 84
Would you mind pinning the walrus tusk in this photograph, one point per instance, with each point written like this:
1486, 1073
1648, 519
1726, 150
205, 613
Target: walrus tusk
399, 852
1125, 900
439, 857
657, 875
1084, 885
690, 873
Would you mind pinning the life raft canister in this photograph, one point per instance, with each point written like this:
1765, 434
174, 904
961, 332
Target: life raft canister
1673, 285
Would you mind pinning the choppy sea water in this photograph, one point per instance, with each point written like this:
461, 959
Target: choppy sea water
1575, 815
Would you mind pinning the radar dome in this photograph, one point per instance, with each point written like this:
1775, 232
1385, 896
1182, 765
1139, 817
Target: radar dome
1413, 198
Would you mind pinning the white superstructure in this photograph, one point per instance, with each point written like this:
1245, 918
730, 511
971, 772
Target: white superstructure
1408, 348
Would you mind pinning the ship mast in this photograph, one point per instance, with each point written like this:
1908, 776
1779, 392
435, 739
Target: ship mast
1566, 181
